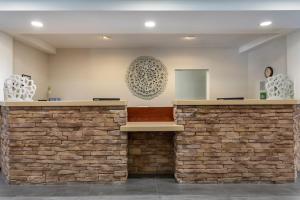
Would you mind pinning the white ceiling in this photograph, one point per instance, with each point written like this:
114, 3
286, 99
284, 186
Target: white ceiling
76, 23
147, 40
148, 5
131, 22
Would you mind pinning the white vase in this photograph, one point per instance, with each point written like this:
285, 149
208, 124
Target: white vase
279, 87
18, 88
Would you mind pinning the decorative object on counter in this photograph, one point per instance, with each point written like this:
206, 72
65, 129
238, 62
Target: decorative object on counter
55, 99
49, 92
18, 88
263, 95
26, 76
268, 72
147, 77
280, 87
262, 90
106, 99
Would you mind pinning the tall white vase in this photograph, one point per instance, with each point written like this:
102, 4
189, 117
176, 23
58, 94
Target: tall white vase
18, 88
279, 87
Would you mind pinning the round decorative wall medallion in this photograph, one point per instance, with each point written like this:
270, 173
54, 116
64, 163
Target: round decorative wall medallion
147, 77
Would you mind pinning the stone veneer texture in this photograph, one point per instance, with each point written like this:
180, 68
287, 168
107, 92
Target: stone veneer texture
0, 136
235, 144
297, 131
151, 153
44, 145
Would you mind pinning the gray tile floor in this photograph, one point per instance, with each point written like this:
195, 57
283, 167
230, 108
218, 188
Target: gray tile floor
152, 189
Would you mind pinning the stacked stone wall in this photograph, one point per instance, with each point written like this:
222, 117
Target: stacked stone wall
235, 144
44, 145
151, 153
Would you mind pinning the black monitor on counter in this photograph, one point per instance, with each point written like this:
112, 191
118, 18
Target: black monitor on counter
106, 99
231, 98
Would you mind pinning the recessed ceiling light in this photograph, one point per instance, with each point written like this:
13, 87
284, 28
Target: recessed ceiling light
189, 37
265, 23
37, 24
105, 37
150, 24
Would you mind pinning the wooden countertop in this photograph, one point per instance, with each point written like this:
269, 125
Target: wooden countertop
235, 102
124, 103
151, 126
63, 103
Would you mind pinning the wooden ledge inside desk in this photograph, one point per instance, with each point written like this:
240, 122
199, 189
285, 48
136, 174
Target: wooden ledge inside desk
63, 103
234, 102
151, 126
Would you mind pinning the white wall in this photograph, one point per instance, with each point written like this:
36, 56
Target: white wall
293, 60
88, 73
30, 61
272, 54
6, 60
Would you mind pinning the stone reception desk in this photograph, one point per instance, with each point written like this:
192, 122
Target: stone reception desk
59, 142
82, 141
236, 141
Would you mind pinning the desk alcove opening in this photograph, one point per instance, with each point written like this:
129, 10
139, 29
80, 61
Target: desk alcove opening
151, 133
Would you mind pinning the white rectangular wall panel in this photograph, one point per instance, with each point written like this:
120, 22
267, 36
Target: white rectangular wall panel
6, 60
